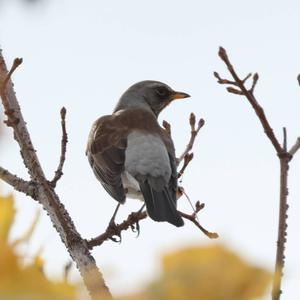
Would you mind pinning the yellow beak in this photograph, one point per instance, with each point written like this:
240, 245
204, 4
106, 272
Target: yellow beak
179, 95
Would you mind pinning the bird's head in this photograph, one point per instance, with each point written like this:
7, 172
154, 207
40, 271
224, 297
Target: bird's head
151, 95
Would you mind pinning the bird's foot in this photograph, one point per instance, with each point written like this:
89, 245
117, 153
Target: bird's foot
114, 229
136, 226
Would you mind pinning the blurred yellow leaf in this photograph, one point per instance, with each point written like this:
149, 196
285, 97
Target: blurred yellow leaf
19, 282
25, 238
209, 273
7, 214
38, 261
206, 273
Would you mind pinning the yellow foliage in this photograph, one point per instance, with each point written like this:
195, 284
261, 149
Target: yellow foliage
29, 232
19, 282
206, 273
7, 214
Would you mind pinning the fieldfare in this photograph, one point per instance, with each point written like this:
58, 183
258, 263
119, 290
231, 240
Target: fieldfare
133, 156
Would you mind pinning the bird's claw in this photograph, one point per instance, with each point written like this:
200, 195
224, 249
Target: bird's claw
113, 227
132, 227
136, 228
116, 240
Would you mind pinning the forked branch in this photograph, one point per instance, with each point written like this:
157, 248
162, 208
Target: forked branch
194, 132
44, 191
186, 155
237, 86
29, 188
249, 94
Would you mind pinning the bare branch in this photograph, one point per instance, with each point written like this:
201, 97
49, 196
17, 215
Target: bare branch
247, 77
64, 141
254, 82
132, 222
284, 157
110, 232
17, 62
194, 133
211, 235
249, 95
27, 187
187, 159
193, 219
224, 81
167, 127
295, 147
46, 195
11, 119
284, 144
234, 91
282, 227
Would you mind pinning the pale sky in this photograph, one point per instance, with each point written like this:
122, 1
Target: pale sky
84, 54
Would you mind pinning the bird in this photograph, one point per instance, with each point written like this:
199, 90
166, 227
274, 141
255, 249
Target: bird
133, 156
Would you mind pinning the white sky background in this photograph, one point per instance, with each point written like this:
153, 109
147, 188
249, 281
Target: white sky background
84, 54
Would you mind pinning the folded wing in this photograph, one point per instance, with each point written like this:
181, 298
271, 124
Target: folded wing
106, 153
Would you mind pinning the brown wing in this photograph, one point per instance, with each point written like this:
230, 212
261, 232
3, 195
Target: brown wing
106, 153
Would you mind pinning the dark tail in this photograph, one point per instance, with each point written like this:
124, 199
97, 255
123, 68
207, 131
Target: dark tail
160, 205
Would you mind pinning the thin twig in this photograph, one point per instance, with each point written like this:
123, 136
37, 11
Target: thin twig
254, 82
194, 133
284, 144
17, 62
64, 141
211, 235
27, 187
249, 95
247, 77
195, 211
234, 91
12, 120
224, 81
295, 147
167, 127
187, 159
193, 218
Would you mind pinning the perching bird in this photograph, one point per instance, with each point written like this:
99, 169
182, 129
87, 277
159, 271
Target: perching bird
131, 155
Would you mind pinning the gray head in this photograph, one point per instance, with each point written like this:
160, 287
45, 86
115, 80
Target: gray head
151, 95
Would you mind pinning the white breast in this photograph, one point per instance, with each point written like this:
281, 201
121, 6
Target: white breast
131, 186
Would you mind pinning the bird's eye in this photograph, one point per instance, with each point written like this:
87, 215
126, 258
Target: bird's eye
162, 92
